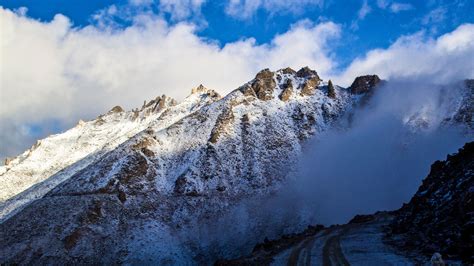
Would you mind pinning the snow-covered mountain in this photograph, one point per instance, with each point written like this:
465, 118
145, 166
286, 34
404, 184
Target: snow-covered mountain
117, 188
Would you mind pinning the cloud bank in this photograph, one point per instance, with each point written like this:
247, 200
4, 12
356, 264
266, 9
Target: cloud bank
53, 70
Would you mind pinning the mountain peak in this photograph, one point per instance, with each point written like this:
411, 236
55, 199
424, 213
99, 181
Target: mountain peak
364, 84
203, 90
307, 72
199, 88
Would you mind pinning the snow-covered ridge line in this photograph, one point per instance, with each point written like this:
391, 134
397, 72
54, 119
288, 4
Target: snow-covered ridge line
89, 141
84, 144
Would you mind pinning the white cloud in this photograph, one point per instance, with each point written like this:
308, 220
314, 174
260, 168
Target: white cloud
394, 7
436, 15
364, 10
50, 70
447, 58
180, 9
245, 9
398, 7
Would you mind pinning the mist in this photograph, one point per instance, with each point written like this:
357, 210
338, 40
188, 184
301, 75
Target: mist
378, 162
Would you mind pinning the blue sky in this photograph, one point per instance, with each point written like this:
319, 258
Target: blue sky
57, 69
379, 26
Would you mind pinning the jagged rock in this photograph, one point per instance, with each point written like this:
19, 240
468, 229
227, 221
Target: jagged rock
287, 91
224, 119
364, 84
307, 72
116, 109
247, 90
202, 89
8, 160
288, 71
331, 90
184, 187
199, 88
264, 85
310, 86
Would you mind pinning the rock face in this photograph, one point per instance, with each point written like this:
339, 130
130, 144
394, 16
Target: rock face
364, 84
287, 91
264, 84
331, 90
440, 217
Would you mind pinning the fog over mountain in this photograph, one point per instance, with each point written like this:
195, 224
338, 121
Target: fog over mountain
378, 163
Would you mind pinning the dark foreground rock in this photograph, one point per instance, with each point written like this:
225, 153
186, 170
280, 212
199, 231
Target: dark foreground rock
440, 217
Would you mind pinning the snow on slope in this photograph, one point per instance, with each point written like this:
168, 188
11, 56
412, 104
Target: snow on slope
233, 145
56, 158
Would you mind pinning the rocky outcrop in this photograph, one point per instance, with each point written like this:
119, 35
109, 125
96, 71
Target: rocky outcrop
287, 91
364, 84
264, 84
440, 217
288, 71
307, 72
331, 90
116, 109
310, 86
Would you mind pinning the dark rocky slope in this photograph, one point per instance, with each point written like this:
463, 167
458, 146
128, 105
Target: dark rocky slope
440, 217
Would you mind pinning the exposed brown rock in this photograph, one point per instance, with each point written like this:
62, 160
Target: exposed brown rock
225, 118
307, 72
132, 174
71, 240
116, 109
8, 160
199, 88
364, 84
202, 89
310, 86
288, 70
247, 90
331, 90
183, 187
122, 196
264, 84
162, 102
287, 91
99, 121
